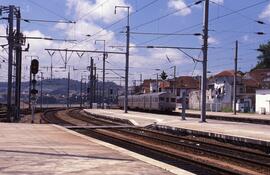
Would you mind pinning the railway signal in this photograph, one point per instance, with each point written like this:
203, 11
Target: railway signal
34, 70
34, 66
34, 91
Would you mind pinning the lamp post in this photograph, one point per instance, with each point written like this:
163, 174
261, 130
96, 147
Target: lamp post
41, 90
157, 87
127, 55
81, 89
103, 74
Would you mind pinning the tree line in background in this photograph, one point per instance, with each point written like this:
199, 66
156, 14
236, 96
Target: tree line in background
264, 57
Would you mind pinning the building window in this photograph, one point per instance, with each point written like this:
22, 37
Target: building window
178, 92
241, 90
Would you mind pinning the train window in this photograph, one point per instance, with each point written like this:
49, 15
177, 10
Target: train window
172, 99
167, 99
161, 99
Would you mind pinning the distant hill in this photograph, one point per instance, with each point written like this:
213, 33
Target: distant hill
58, 87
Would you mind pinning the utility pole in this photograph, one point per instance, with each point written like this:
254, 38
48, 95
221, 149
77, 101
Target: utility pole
235, 77
81, 92
41, 91
91, 83
68, 100
51, 68
18, 48
103, 71
15, 42
30, 87
174, 79
10, 60
94, 83
127, 56
103, 81
157, 83
33, 106
97, 89
127, 64
204, 49
85, 89
184, 106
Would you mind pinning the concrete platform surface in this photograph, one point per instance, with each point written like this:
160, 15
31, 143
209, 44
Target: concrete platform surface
230, 114
244, 130
49, 149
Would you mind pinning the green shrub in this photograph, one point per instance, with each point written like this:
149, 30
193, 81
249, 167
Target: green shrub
226, 109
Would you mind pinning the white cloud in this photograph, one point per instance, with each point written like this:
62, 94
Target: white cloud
218, 1
3, 32
266, 13
212, 40
90, 24
83, 28
3, 55
158, 58
35, 44
179, 5
99, 10
245, 38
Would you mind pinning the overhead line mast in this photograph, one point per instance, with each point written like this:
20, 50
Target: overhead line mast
204, 50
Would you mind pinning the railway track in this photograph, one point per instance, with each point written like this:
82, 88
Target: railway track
194, 154
3, 114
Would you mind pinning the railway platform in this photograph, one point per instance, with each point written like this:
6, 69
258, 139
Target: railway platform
234, 131
50, 149
229, 116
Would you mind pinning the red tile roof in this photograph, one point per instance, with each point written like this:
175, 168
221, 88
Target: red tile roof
259, 74
251, 83
225, 73
187, 82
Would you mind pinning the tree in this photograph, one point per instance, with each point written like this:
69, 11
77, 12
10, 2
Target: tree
264, 57
163, 75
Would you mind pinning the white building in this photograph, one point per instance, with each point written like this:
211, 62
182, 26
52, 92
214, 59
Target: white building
153, 87
219, 94
263, 101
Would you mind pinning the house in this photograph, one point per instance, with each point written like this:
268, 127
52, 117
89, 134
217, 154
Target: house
219, 95
263, 101
261, 77
147, 84
220, 87
151, 86
183, 85
253, 80
220, 90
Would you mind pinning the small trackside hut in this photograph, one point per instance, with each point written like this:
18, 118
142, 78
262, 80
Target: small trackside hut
162, 101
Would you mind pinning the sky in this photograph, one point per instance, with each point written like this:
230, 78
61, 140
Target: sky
229, 20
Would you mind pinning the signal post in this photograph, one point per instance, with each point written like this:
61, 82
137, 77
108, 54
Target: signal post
34, 70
